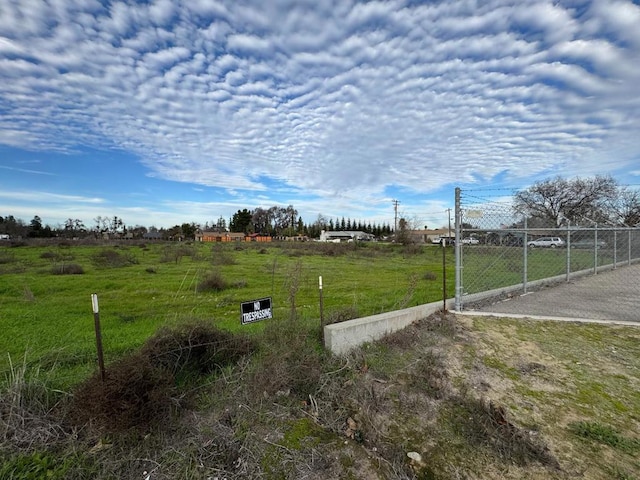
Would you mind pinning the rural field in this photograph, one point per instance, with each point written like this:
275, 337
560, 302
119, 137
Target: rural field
45, 291
191, 393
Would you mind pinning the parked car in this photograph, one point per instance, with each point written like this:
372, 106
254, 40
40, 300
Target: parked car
548, 242
470, 241
586, 243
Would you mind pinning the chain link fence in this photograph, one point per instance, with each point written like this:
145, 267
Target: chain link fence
499, 252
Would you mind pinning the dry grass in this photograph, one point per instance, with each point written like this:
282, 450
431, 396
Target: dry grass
204, 405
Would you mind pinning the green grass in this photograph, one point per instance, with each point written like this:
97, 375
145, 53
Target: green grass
143, 287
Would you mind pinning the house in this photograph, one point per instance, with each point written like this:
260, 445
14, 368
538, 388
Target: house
345, 236
219, 236
432, 235
154, 235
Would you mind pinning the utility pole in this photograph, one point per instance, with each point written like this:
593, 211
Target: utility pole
395, 217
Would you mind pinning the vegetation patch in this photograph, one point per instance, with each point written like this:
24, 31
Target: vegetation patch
110, 258
141, 391
213, 282
67, 269
487, 424
605, 435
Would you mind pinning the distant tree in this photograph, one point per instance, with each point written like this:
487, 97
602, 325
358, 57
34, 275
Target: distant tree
403, 235
554, 200
241, 221
138, 231
189, 230
261, 220
36, 224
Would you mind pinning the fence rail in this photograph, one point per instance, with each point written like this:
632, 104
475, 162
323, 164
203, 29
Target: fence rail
497, 250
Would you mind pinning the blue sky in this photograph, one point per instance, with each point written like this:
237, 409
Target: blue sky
164, 112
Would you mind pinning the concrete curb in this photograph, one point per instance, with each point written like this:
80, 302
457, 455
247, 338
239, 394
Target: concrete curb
341, 337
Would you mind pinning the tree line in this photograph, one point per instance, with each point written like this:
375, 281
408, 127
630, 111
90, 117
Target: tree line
274, 221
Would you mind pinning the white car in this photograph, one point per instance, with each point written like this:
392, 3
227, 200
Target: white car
550, 242
470, 241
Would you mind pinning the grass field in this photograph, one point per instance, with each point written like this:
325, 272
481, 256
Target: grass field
45, 291
447, 397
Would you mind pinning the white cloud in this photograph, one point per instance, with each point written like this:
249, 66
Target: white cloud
341, 100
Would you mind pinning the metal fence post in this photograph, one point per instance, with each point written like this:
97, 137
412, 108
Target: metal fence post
568, 249
525, 254
458, 215
615, 249
595, 251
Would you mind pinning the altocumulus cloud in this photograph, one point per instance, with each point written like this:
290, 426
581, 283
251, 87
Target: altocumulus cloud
327, 97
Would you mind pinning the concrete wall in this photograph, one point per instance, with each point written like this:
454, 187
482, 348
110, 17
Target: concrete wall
343, 336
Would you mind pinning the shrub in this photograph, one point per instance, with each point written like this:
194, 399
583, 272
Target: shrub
214, 281
134, 395
175, 253
67, 269
291, 363
112, 259
219, 256
341, 315
195, 348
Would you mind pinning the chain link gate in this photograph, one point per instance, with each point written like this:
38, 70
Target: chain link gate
498, 252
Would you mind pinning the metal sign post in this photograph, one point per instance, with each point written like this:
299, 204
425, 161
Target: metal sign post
96, 321
321, 310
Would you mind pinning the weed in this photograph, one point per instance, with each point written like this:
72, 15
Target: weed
429, 276
26, 406
29, 466
213, 282
195, 348
605, 435
109, 258
133, 395
342, 315
220, 256
6, 257
174, 254
28, 294
485, 423
67, 269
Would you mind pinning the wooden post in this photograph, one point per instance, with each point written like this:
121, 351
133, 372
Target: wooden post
96, 321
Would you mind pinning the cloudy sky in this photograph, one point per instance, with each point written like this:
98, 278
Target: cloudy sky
164, 111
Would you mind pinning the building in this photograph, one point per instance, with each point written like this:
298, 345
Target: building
432, 235
219, 236
345, 236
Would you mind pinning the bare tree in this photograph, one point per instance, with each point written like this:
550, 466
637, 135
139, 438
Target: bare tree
554, 200
625, 207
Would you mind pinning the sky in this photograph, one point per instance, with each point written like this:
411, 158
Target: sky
165, 112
